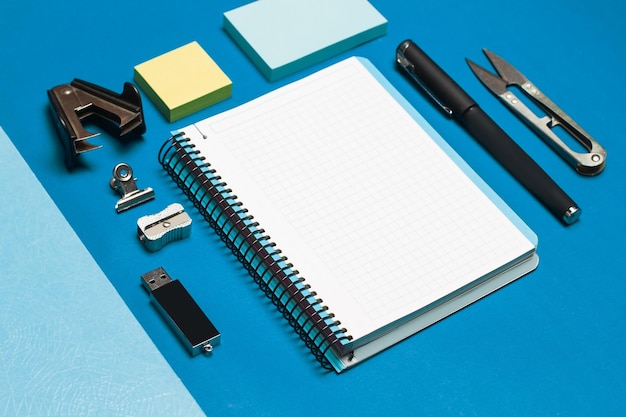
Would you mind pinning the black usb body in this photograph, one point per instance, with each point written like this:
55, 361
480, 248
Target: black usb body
190, 323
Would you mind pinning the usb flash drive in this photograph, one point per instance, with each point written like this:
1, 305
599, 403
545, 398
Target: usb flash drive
192, 326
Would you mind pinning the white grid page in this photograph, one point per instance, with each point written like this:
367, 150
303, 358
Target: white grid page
364, 203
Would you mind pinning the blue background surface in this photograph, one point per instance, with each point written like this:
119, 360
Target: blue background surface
550, 344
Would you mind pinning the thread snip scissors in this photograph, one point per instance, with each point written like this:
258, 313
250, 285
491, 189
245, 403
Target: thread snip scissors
590, 163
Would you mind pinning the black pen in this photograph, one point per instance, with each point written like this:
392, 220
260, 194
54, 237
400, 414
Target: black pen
458, 104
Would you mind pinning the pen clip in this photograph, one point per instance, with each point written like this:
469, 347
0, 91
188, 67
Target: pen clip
410, 69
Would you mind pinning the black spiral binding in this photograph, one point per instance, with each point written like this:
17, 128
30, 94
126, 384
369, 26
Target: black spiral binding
272, 272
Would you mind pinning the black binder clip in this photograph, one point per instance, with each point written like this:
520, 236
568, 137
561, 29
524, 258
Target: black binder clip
72, 103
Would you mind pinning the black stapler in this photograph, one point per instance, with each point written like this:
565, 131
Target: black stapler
79, 100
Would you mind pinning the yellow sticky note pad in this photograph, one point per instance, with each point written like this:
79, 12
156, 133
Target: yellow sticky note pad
183, 81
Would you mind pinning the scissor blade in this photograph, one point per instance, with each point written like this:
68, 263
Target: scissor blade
492, 82
506, 70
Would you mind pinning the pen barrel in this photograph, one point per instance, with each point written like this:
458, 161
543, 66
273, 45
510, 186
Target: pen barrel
435, 80
519, 164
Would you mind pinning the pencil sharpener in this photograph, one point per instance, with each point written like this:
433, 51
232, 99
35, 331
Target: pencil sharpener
157, 230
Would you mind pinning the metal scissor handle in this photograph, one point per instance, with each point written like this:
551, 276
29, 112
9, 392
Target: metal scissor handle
590, 163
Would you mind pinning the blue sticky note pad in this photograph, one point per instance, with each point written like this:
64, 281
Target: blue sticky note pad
285, 36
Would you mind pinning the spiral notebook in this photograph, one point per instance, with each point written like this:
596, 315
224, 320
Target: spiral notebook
353, 215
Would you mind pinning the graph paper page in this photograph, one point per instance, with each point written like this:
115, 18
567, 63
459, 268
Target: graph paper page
370, 210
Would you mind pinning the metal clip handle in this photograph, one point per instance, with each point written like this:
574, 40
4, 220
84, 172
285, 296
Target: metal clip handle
124, 183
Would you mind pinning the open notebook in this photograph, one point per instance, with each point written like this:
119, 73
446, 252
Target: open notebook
378, 229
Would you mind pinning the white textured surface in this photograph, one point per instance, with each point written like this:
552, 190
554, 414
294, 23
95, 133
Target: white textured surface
68, 344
